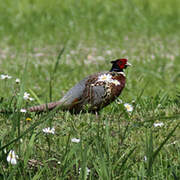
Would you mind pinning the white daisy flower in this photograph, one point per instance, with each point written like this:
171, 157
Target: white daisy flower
4, 76
129, 107
12, 157
9, 77
75, 140
158, 124
17, 80
105, 78
26, 95
145, 158
174, 142
31, 99
87, 170
49, 130
116, 82
119, 101
23, 110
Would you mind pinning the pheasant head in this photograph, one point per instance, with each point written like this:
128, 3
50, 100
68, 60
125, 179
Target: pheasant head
119, 64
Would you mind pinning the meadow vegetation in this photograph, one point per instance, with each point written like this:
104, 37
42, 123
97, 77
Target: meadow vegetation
51, 45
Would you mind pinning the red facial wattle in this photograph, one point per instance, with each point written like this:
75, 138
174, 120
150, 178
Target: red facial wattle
121, 63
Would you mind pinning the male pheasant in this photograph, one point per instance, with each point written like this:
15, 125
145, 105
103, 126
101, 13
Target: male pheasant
93, 92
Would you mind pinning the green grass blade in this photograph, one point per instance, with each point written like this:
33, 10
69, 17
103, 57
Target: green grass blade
126, 158
36, 97
31, 128
164, 142
29, 149
151, 154
24, 76
53, 73
57, 61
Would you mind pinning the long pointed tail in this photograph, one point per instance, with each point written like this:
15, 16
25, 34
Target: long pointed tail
44, 107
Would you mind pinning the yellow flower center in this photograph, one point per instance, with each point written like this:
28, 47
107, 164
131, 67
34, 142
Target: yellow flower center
104, 78
28, 119
11, 156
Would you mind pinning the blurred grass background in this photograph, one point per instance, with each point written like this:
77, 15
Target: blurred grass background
94, 21
146, 32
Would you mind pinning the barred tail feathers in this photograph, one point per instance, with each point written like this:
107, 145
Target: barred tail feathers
43, 107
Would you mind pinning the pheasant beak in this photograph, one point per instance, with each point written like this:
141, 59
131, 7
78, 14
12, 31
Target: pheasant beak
128, 64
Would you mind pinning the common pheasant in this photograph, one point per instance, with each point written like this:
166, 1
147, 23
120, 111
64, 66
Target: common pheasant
93, 92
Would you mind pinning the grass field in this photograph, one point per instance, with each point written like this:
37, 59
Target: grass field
142, 144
